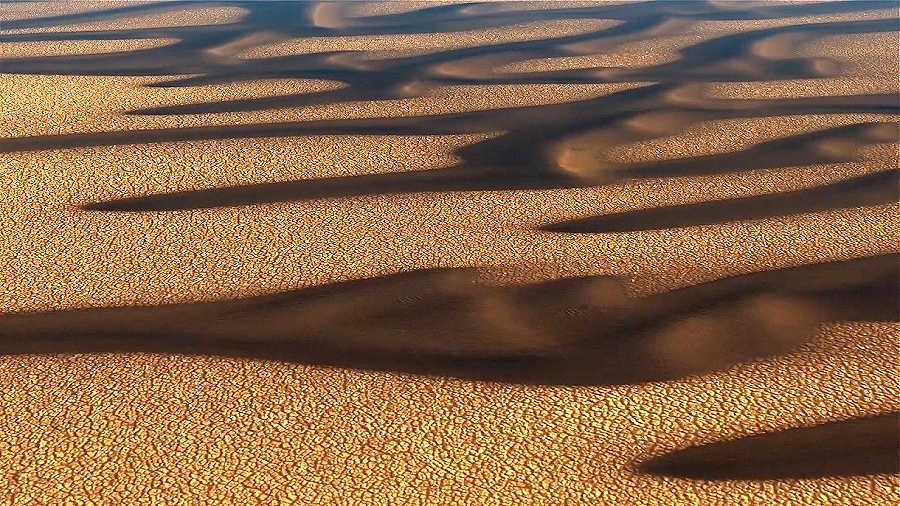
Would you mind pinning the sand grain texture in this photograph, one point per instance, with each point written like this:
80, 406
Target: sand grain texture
442, 253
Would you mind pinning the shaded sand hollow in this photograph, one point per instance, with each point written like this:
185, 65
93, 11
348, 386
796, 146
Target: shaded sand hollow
443, 253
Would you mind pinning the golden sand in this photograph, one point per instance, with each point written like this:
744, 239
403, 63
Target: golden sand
667, 40
414, 44
67, 104
637, 54
725, 136
140, 428
233, 431
38, 9
72, 47
192, 16
867, 69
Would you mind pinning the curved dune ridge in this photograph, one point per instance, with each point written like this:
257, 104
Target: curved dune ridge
70, 104
63, 104
416, 44
628, 253
739, 134
868, 69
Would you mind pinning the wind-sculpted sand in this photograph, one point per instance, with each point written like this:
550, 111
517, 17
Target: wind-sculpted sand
62, 48
128, 15
449, 253
413, 45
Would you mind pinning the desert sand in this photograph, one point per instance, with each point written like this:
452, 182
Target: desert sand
599, 253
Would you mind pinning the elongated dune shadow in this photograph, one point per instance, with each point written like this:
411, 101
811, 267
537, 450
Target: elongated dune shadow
854, 447
442, 322
868, 190
477, 172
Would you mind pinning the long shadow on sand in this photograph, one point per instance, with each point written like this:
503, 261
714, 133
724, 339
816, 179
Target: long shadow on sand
537, 141
481, 169
868, 190
581, 331
442, 322
854, 447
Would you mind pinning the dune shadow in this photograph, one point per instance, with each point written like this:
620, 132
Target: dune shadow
443, 322
482, 170
578, 331
526, 154
854, 447
868, 190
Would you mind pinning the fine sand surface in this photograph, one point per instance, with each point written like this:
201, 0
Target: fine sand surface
598, 253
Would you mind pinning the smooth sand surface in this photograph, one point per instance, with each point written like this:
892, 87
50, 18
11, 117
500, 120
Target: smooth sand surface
650, 258
63, 48
124, 16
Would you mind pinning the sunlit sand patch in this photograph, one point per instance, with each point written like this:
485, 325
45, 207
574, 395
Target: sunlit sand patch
734, 135
48, 105
532, 5
100, 426
799, 88
426, 43
226, 252
369, 9
211, 417
871, 55
77, 47
64, 179
13, 11
258, 160
172, 16
661, 44
67, 104
633, 54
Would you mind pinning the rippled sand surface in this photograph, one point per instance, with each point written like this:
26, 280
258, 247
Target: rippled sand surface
449, 253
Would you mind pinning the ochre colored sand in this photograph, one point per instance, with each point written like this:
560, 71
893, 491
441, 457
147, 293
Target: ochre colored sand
219, 387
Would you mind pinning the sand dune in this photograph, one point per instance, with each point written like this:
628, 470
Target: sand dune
13, 11
718, 137
871, 189
449, 253
58, 48
410, 45
129, 16
428, 320
859, 446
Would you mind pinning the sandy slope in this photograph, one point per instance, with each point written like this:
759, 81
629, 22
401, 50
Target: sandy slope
619, 263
